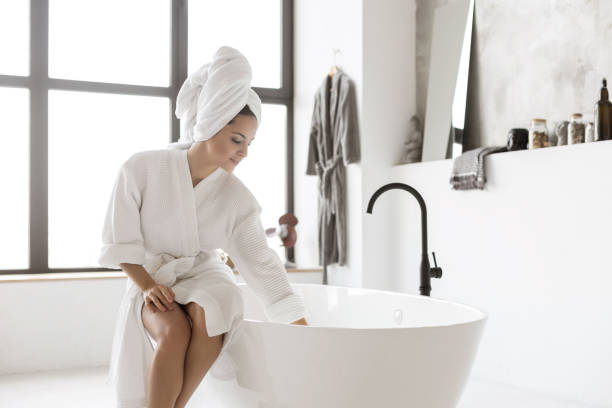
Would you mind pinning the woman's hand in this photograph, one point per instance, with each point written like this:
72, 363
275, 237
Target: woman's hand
302, 322
158, 297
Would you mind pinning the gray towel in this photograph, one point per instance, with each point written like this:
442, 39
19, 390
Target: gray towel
468, 169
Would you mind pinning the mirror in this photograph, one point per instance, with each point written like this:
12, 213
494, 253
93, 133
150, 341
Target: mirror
448, 80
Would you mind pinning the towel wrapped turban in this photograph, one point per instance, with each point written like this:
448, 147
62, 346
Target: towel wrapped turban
213, 95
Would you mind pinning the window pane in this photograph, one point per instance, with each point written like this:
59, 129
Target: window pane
264, 170
252, 27
90, 136
14, 178
15, 38
116, 41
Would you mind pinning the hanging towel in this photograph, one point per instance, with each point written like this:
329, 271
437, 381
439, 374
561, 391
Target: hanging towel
468, 169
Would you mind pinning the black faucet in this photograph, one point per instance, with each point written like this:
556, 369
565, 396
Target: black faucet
426, 271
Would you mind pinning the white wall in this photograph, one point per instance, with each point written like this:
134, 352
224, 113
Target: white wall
320, 27
58, 324
66, 323
533, 251
388, 104
377, 44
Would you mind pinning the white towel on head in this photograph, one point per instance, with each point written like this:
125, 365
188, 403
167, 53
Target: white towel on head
213, 95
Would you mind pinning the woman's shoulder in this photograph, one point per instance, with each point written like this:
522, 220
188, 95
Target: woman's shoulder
142, 165
236, 187
147, 159
240, 193
146, 156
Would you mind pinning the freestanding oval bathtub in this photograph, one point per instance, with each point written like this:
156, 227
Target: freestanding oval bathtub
363, 348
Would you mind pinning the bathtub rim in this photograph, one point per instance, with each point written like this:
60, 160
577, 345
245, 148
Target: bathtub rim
483, 315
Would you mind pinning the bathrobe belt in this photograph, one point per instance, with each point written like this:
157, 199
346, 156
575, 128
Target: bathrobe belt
328, 184
165, 268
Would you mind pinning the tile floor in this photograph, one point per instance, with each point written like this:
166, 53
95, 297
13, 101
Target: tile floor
79, 388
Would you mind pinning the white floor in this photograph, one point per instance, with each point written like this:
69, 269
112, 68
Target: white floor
85, 388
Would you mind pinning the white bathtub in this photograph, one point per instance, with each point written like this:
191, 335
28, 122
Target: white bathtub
363, 348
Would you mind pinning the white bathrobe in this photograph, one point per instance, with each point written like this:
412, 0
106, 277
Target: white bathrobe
156, 218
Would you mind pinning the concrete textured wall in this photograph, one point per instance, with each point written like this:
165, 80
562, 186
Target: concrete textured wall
542, 58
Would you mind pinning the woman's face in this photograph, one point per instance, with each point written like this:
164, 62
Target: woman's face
231, 144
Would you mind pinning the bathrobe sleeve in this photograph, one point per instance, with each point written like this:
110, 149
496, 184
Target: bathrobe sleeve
263, 271
122, 237
313, 153
349, 124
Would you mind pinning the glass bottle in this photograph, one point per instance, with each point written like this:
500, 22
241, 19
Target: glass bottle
538, 134
518, 138
603, 115
575, 129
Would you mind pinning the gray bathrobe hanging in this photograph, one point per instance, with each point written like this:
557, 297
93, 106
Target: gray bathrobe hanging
334, 143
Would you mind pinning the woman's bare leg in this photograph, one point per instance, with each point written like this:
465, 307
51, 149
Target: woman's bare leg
171, 331
201, 354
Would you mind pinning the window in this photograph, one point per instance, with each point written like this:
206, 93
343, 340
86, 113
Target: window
14, 177
264, 170
244, 24
14, 38
84, 85
81, 178
116, 43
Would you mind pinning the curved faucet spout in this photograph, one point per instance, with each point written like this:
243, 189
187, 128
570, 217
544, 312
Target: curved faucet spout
417, 195
426, 271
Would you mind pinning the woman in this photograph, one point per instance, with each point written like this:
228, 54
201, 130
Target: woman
169, 212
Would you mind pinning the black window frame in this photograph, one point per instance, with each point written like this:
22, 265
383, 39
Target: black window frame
39, 85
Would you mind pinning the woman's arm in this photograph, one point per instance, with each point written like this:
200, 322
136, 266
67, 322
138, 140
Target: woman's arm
302, 321
139, 275
263, 271
122, 233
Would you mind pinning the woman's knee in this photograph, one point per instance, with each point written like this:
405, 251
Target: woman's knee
176, 332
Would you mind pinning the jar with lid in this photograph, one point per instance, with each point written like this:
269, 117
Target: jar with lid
589, 133
575, 129
538, 134
561, 131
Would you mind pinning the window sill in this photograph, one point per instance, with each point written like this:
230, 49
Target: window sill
317, 269
45, 277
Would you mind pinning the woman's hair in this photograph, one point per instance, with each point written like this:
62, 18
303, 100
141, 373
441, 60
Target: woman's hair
245, 111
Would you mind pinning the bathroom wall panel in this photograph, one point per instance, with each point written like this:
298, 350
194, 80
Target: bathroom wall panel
532, 250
